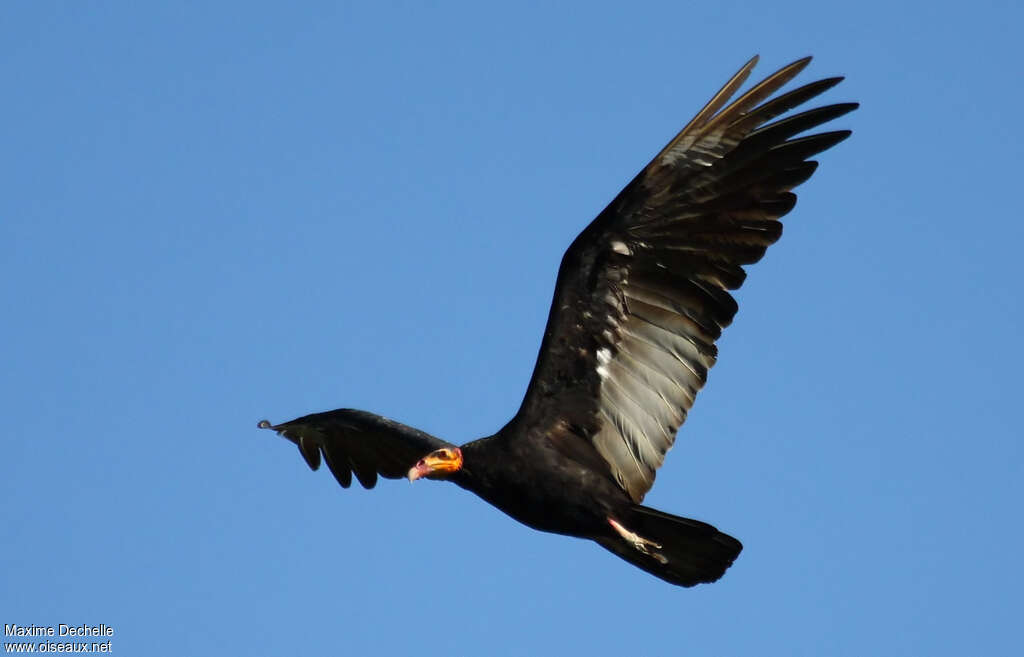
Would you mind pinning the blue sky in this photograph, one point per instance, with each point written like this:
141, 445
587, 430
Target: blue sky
219, 212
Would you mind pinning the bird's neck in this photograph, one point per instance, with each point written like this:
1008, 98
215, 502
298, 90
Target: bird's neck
482, 462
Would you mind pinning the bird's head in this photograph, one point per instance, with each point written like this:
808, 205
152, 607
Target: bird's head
439, 464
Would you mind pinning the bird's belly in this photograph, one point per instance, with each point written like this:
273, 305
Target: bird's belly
573, 504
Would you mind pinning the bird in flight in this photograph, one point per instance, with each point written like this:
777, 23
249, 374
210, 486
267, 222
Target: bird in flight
642, 294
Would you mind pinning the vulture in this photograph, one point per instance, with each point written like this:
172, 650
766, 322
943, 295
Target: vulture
641, 297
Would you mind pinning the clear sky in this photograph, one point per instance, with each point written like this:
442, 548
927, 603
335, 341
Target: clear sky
219, 212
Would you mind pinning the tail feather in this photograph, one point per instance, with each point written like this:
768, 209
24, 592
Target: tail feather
685, 552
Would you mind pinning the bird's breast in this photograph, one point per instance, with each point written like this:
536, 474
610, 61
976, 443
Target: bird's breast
548, 492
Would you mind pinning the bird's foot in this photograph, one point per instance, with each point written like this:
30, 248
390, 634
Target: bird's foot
637, 541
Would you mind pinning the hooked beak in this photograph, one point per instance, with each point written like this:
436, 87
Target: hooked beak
437, 464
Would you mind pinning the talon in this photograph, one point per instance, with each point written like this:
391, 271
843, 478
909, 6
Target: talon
639, 542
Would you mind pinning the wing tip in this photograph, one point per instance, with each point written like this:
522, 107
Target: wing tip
788, 72
802, 63
795, 66
839, 135
310, 451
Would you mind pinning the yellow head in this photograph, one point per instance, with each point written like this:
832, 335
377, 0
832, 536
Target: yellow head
438, 464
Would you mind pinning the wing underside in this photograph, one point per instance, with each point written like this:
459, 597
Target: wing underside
644, 292
357, 442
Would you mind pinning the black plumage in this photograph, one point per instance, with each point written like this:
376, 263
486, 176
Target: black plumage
642, 295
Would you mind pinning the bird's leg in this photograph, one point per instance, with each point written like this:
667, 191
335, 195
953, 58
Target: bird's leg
639, 542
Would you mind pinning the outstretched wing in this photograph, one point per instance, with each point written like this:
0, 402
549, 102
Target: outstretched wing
357, 442
643, 292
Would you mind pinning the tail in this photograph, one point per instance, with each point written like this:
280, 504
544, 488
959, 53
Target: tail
678, 550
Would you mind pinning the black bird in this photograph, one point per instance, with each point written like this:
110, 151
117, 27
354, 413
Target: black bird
641, 297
